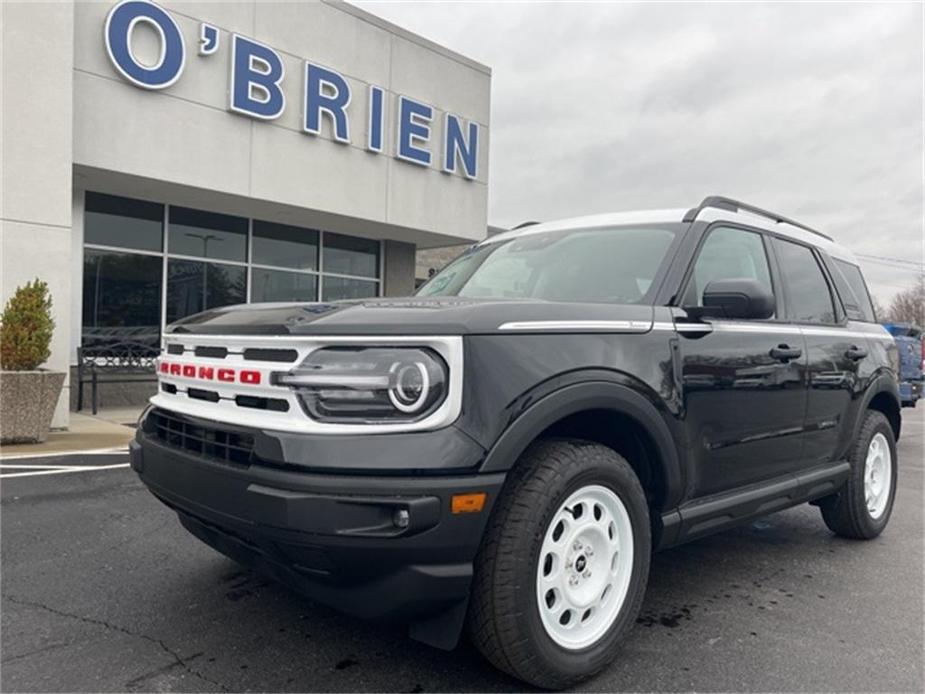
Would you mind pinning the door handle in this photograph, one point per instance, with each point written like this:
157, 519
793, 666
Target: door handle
785, 353
856, 353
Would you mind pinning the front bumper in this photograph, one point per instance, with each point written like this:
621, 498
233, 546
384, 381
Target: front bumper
338, 538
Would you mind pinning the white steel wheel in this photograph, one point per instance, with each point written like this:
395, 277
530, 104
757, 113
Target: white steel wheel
878, 476
584, 568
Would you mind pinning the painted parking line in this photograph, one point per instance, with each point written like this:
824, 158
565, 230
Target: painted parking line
33, 466
57, 454
54, 470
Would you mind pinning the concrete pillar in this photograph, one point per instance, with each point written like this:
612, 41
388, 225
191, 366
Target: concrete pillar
399, 268
36, 105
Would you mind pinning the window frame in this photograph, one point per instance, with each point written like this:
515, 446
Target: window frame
771, 258
166, 256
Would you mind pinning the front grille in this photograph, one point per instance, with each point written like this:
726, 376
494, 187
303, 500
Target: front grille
261, 354
200, 394
228, 447
211, 352
274, 354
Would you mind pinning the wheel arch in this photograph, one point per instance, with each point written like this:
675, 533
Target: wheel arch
604, 412
883, 396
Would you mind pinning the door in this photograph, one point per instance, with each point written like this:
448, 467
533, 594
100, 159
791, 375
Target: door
835, 351
741, 381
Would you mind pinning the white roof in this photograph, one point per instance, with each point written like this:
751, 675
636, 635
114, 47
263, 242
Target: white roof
707, 214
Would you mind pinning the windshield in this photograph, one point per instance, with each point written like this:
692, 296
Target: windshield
608, 265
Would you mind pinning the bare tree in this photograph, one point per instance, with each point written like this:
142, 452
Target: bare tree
909, 305
880, 313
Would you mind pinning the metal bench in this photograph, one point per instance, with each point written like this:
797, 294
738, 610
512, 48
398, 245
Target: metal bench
113, 362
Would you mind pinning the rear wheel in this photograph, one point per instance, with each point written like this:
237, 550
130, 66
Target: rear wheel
563, 568
862, 508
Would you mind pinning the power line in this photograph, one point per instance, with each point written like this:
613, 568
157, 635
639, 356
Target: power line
874, 258
896, 267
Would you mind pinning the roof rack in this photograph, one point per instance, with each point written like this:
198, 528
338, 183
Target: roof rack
523, 224
719, 202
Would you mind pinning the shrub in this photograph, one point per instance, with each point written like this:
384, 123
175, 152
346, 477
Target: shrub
26, 327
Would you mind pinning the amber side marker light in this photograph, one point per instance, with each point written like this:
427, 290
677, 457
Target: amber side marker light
468, 503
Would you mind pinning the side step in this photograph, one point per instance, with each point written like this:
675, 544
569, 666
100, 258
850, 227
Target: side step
726, 510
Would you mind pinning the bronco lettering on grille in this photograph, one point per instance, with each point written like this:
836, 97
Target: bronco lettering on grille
209, 373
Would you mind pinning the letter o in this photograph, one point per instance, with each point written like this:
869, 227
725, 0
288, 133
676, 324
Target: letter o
251, 377
120, 25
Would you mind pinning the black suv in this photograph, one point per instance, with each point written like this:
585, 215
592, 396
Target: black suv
506, 449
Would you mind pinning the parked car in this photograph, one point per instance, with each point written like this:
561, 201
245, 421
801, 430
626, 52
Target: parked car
911, 347
505, 449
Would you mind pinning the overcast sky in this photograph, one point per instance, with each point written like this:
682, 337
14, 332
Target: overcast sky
812, 110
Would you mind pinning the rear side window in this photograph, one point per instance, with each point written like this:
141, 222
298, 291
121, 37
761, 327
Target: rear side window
728, 254
807, 289
853, 291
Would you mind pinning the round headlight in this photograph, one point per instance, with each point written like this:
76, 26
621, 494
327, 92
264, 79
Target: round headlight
412, 384
369, 384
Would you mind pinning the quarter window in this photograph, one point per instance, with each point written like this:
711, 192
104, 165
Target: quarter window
853, 291
807, 289
727, 254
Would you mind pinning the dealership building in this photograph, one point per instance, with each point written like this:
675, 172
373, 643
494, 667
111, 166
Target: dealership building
160, 159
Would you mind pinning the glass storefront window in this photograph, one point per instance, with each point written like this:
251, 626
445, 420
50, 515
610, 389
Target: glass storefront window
194, 286
336, 288
113, 221
124, 293
349, 255
282, 245
207, 235
277, 285
121, 297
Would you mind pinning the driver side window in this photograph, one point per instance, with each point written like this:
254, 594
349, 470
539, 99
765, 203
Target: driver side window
728, 253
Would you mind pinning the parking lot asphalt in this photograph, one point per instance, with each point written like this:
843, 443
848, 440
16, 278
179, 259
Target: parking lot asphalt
102, 590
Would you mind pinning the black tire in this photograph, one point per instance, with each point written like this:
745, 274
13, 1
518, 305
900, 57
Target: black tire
504, 620
846, 513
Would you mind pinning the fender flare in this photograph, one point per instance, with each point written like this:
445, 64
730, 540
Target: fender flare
591, 395
883, 382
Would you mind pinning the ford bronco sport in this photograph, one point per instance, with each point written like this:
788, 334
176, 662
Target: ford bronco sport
504, 450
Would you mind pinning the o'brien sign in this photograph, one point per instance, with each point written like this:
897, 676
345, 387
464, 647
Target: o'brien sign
256, 89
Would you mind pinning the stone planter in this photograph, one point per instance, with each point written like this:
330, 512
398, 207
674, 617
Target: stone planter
27, 404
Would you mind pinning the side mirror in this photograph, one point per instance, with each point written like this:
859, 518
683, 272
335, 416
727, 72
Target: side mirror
734, 298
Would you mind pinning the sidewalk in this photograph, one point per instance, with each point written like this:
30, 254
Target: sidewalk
109, 429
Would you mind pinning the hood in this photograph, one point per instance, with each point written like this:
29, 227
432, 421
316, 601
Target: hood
414, 316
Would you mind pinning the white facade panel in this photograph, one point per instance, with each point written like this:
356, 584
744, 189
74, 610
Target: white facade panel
157, 136
327, 176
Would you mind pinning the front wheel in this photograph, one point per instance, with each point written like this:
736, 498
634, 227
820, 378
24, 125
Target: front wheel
562, 571
862, 508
